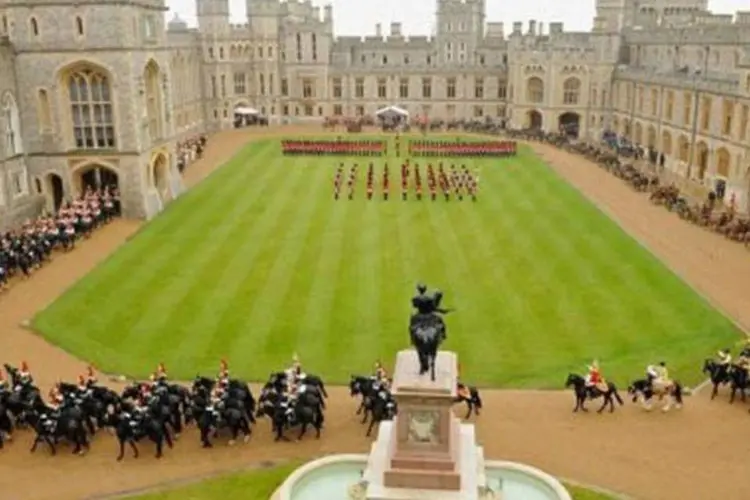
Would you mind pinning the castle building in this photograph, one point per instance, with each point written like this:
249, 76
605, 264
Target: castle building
95, 92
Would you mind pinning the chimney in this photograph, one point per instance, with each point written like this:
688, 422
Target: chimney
378, 30
532, 27
541, 29
555, 28
328, 13
517, 27
743, 17
395, 29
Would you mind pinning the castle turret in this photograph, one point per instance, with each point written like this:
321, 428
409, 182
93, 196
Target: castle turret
213, 17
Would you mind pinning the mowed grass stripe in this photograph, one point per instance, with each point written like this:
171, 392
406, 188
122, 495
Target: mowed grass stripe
541, 280
215, 270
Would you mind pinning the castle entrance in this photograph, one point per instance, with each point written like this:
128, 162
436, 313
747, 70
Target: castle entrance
95, 176
569, 124
55, 191
534, 119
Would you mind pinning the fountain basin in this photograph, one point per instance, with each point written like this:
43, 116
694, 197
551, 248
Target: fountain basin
333, 477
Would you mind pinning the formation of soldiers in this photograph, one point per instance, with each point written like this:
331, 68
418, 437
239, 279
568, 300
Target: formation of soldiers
456, 148
452, 182
336, 147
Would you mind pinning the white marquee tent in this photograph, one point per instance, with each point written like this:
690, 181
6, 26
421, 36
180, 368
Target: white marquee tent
392, 111
245, 111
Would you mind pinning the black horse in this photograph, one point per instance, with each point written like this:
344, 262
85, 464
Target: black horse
280, 381
212, 419
66, 423
383, 407
363, 387
718, 374
298, 415
738, 382
130, 427
427, 333
582, 393
237, 390
6, 423
473, 401
645, 389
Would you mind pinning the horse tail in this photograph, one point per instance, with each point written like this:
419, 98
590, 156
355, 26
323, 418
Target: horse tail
617, 397
323, 389
477, 399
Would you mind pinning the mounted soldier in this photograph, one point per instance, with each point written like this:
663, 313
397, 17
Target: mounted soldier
161, 373
91, 379
594, 379
724, 358
743, 361
223, 372
658, 377
381, 374
83, 387
294, 372
24, 375
461, 390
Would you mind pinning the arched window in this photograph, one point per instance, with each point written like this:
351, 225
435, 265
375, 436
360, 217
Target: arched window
45, 117
79, 25
571, 91
4, 26
34, 26
91, 111
11, 126
153, 100
535, 90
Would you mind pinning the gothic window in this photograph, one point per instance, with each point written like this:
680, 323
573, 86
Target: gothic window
45, 117
502, 90
479, 88
261, 84
450, 88
337, 88
338, 110
314, 46
382, 88
79, 26
284, 87
535, 90
403, 88
223, 79
213, 87
299, 47
307, 89
571, 91
359, 87
34, 25
239, 83
151, 76
90, 97
270, 84
221, 53
11, 126
669, 111
4, 26
426, 88
270, 52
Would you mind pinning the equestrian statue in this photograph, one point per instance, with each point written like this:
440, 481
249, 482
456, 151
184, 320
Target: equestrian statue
427, 328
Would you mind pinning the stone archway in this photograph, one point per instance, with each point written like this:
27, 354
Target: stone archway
701, 159
683, 148
638, 139
54, 191
569, 124
666, 143
160, 177
95, 176
534, 119
723, 162
651, 137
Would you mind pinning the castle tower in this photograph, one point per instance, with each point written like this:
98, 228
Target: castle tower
460, 29
96, 105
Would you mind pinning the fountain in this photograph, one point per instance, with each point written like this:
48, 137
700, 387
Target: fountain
424, 453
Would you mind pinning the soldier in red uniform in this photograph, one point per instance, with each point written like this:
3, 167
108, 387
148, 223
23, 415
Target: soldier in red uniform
594, 378
223, 370
91, 376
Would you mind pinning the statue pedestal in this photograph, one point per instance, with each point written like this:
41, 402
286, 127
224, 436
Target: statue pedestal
425, 452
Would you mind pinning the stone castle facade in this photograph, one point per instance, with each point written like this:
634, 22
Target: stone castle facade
95, 92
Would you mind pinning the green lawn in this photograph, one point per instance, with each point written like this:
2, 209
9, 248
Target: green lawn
259, 262
260, 485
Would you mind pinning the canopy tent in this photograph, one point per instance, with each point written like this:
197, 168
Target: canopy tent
392, 111
243, 110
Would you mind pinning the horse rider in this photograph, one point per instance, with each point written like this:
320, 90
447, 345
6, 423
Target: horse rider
380, 374
4, 386
724, 358
161, 373
743, 361
223, 372
24, 375
594, 377
91, 379
83, 387
57, 400
461, 390
658, 376
293, 372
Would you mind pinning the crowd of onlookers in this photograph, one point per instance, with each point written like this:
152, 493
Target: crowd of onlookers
189, 151
26, 248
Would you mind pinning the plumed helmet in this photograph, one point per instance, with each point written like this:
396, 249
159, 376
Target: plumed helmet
24, 366
90, 370
224, 364
81, 379
421, 288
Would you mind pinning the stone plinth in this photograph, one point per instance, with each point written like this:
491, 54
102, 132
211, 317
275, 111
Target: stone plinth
423, 451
